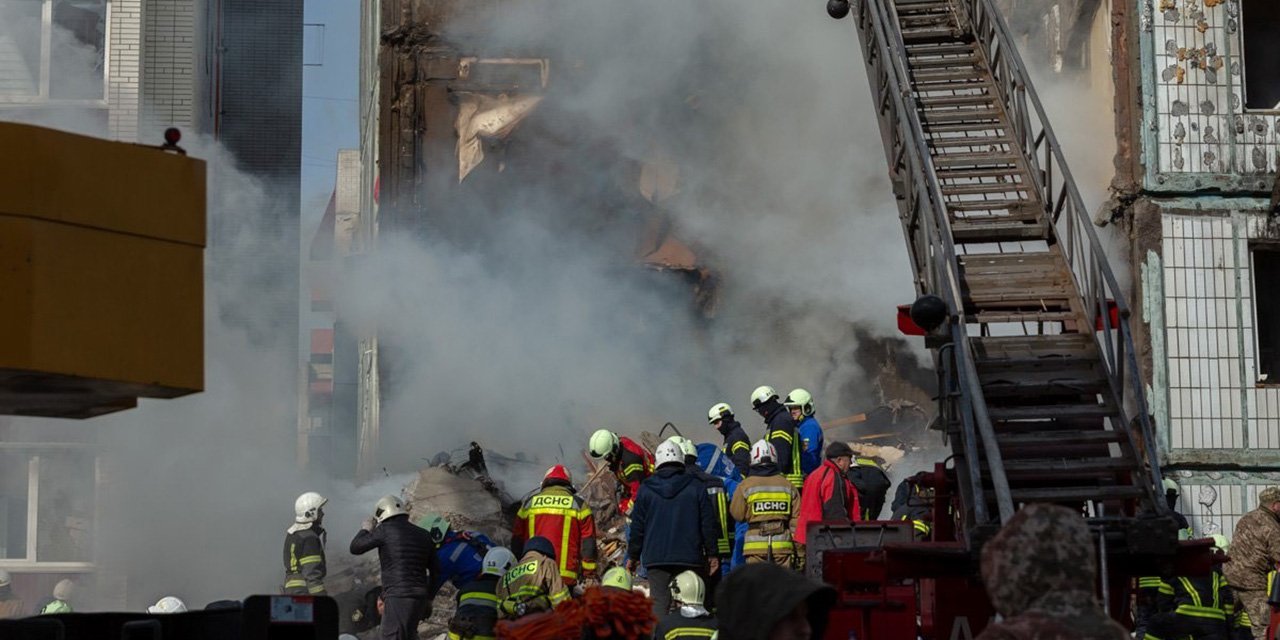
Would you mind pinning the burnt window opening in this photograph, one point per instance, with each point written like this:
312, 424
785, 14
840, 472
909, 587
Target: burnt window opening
1260, 22
1266, 276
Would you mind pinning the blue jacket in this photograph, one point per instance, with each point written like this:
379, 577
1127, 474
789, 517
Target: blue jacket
462, 556
713, 460
811, 445
673, 522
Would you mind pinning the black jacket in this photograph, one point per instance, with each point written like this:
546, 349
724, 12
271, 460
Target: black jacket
677, 627
673, 522
782, 433
872, 484
304, 564
719, 499
407, 555
736, 444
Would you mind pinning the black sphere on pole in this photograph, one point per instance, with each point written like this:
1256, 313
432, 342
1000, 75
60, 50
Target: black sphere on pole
837, 8
929, 312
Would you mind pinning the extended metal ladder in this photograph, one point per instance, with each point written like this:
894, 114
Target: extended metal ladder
1047, 404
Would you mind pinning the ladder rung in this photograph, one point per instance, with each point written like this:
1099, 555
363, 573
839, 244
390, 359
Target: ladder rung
1052, 411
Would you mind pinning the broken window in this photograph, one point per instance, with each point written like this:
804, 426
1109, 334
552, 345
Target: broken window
1266, 277
53, 50
14, 487
1259, 25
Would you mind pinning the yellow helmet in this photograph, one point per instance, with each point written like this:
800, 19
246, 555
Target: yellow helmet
761, 395
617, 578
687, 588
603, 443
800, 398
719, 411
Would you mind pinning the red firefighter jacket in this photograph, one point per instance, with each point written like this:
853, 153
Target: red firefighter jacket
564, 518
633, 465
828, 496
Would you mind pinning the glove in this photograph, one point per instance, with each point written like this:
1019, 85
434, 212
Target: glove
632, 565
368, 524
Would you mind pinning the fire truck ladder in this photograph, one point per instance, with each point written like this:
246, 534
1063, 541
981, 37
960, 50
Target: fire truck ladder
1037, 351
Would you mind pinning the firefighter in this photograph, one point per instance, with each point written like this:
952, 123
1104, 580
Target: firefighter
915, 504
1200, 609
691, 621
770, 505
673, 527
1255, 552
736, 443
533, 585
304, 565
872, 483
800, 403
476, 613
629, 462
557, 513
719, 498
781, 432
461, 553
409, 566
11, 606
828, 496
60, 602
1171, 494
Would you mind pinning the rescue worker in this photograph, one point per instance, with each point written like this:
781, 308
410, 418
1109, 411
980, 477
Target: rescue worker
629, 462
800, 403
673, 527
719, 498
167, 605
916, 505
60, 602
410, 568
767, 602
1040, 571
1154, 597
1200, 608
557, 513
1171, 493
461, 553
616, 578
11, 606
828, 496
477, 603
736, 443
770, 505
872, 483
1255, 552
304, 563
781, 432
691, 621
533, 585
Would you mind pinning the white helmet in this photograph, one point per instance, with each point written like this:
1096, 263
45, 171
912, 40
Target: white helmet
306, 508
668, 453
388, 506
761, 451
1170, 485
168, 604
686, 446
5, 578
498, 561
800, 398
719, 412
688, 588
603, 443
762, 395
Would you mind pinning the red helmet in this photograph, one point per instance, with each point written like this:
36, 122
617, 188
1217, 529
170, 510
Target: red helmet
557, 472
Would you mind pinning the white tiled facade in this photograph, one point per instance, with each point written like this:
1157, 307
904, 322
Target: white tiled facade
124, 69
169, 63
1214, 502
1192, 66
1211, 399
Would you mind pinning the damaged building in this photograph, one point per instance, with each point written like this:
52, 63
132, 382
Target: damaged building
1198, 134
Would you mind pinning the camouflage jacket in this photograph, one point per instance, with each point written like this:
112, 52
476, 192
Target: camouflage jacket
1040, 572
1255, 550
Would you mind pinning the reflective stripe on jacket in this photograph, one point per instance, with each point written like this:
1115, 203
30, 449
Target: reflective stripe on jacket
559, 515
633, 465
770, 505
532, 586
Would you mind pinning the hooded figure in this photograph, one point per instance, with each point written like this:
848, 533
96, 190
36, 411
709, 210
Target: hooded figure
1040, 572
765, 601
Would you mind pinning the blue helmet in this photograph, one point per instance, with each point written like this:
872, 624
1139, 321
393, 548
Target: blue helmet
541, 545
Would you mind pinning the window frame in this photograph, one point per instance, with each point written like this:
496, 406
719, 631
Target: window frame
31, 562
42, 98
1244, 73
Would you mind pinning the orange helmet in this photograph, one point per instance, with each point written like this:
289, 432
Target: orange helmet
557, 472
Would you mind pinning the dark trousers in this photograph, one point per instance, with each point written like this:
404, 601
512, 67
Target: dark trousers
400, 617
